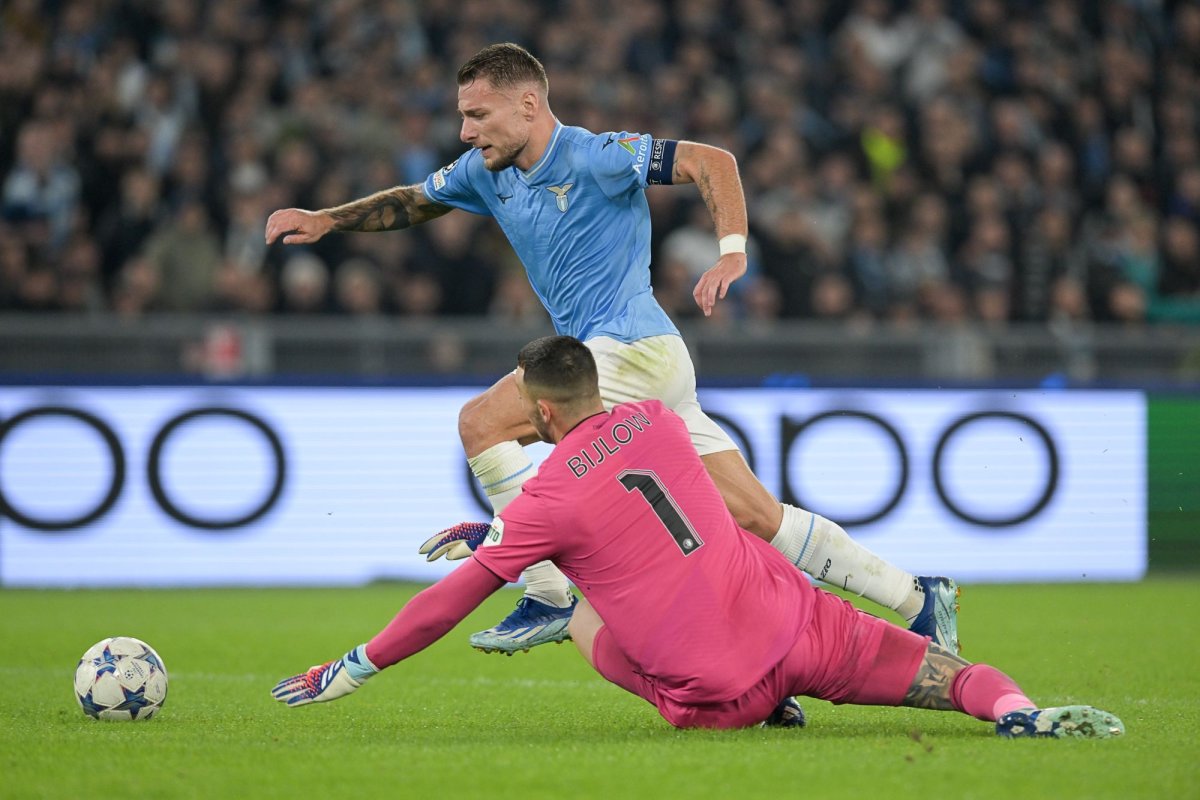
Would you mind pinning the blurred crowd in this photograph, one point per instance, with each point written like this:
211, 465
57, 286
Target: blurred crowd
903, 160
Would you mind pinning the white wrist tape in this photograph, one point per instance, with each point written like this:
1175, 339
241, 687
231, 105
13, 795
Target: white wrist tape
733, 243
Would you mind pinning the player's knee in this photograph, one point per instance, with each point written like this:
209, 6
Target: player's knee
751, 514
472, 423
754, 522
750, 503
575, 627
584, 625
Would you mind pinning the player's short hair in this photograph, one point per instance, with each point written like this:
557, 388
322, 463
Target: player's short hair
560, 368
504, 66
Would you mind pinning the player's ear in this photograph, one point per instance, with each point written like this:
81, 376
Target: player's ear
531, 101
545, 410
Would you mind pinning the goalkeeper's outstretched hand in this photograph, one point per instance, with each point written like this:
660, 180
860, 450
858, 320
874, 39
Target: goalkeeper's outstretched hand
327, 681
455, 543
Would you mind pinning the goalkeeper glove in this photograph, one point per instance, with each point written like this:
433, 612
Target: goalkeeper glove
327, 681
455, 543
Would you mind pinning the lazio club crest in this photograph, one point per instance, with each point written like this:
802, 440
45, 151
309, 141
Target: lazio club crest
560, 195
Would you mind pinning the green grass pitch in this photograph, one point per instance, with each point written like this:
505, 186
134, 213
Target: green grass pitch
452, 722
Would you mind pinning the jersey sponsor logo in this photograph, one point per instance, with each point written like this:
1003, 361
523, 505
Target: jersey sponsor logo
640, 155
450, 167
608, 141
494, 535
503, 198
627, 143
560, 195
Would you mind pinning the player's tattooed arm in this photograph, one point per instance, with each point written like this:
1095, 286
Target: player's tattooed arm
931, 686
388, 210
715, 173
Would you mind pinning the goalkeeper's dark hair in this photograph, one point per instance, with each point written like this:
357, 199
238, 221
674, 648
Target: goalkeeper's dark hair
504, 66
561, 369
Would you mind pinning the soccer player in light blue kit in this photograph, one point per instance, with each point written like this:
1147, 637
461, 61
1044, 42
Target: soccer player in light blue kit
572, 203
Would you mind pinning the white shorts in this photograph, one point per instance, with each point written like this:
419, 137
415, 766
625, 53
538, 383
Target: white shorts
657, 368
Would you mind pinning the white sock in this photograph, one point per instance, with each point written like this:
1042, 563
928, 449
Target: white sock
502, 469
546, 583
823, 549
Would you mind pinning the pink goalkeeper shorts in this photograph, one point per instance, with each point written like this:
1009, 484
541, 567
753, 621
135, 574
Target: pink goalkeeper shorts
844, 656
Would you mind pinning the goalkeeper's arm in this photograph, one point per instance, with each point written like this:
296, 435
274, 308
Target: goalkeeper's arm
426, 618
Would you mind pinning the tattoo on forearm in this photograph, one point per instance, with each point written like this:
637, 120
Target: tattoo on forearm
704, 184
715, 174
389, 210
931, 686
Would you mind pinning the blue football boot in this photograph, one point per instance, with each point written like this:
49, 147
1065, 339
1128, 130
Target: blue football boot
531, 623
1064, 722
939, 616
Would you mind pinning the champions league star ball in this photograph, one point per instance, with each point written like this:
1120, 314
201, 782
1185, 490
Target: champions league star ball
120, 678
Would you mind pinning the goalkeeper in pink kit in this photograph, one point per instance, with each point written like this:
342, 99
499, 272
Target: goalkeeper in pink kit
708, 623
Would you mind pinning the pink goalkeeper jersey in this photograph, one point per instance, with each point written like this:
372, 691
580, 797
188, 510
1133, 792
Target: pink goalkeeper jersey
624, 507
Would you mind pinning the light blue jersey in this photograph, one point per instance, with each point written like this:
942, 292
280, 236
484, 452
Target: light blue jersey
579, 222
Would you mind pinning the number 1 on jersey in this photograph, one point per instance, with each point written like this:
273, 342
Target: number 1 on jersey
664, 507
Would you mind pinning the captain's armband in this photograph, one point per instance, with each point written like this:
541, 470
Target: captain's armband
662, 162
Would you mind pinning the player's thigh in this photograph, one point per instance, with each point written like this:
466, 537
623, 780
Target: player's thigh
654, 368
585, 624
608, 659
493, 417
657, 368
660, 368
848, 656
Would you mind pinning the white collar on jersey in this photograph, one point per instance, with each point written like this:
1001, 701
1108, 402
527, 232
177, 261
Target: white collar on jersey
541, 162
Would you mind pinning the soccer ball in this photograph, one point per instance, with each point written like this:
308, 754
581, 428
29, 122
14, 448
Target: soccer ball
120, 678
